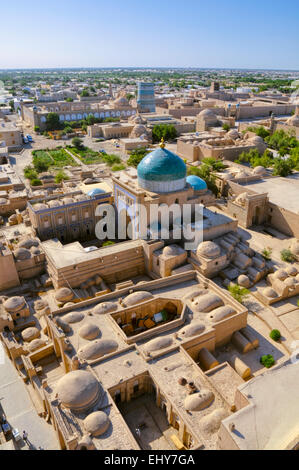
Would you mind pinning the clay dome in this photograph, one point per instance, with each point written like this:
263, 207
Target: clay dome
172, 250
243, 281
207, 115
207, 302
195, 328
269, 292
40, 305
156, 344
280, 274
295, 247
221, 313
97, 348
64, 295
68, 200
35, 251
137, 298
14, 304
36, 344
89, 331
22, 254
139, 129
291, 270
122, 101
290, 282
208, 250
54, 203
73, 317
105, 307
259, 170
78, 390
40, 207
97, 423
28, 243
29, 334
199, 401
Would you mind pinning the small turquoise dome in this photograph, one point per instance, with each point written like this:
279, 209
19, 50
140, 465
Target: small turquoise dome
95, 192
162, 171
197, 183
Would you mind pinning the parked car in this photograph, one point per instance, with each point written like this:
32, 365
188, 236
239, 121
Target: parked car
29, 138
25, 140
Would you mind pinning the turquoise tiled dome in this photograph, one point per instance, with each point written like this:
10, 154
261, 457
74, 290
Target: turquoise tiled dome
197, 183
162, 171
95, 192
161, 165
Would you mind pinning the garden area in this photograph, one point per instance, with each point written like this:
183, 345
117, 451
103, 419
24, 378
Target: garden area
285, 143
90, 157
43, 160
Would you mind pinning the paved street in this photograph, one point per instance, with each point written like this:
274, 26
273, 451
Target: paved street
20, 412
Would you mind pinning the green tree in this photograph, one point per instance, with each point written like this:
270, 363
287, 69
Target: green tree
77, 143
61, 176
53, 122
85, 93
136, 157
287, 256
165, 131
282, 167
238, 293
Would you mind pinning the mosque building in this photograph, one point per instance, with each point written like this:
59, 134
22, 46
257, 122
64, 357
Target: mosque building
161, 178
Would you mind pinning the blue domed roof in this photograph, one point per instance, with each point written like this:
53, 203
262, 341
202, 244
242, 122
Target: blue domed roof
95, 192
161, 165
197, 183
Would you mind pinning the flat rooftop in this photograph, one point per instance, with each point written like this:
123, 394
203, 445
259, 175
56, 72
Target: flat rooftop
281, 191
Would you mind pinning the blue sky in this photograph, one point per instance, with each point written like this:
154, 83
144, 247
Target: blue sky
149, 33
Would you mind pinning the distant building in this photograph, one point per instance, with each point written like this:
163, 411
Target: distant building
146, 98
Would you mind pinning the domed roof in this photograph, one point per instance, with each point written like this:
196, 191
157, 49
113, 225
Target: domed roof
290, 281
122, 101
89, 331
40, 207
291, 270
195, 328
97, 423
172, 250
78, 390
199, 401
54, 203
30, 334
269, 292
156, 344
159, 168
105, 307
36, 344
21, 254
137, 297
207, 114
97, 348
221, 313
14, 304
28, 243
280, 274
197, 183
64, 295
208, 250
73, 317
95, 192
244, 281
259, 170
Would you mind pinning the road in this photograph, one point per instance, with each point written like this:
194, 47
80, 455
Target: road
20, 412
